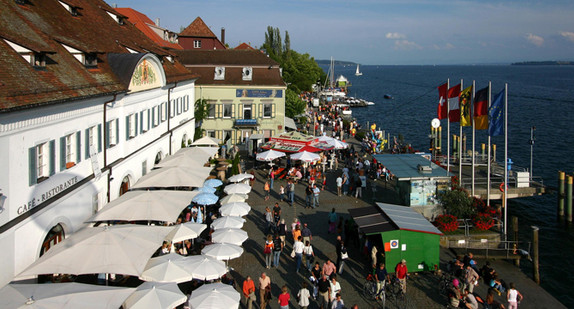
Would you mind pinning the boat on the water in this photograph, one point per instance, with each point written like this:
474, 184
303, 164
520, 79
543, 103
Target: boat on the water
388, 96
358, 72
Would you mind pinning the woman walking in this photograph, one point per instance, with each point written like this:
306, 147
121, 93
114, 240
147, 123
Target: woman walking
304, 296
266, 190
332, 221
513, 296
309, 254
267, 250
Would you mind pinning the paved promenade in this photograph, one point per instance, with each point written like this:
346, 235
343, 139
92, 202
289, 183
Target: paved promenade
422, 288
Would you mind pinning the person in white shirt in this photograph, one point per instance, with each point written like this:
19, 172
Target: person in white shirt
303, 296
298, 249
513, 296
339, 185
335, 288
338, 302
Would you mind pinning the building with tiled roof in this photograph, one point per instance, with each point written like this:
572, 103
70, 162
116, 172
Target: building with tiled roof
244, 46
161, 36
245, 92
198, 36
88, 104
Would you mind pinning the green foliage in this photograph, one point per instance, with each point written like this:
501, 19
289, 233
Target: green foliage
458, 203
360, 135
293, 104
235, 164
201, 113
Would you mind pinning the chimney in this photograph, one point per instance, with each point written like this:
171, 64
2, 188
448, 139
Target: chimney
222, 35
157, 22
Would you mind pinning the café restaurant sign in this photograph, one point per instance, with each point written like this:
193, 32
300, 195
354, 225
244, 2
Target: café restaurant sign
46, 195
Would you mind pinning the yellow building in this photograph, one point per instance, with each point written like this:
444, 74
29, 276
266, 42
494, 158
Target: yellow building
245, 92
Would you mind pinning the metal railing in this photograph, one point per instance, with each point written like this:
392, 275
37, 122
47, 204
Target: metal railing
492, 248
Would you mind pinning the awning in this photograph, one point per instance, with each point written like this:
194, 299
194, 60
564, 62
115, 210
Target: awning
256, 136
371, 221
290, 123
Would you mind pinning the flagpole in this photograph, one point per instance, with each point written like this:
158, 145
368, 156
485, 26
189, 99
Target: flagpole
460, 138
489, 150
472, 115
505, 159
447, 128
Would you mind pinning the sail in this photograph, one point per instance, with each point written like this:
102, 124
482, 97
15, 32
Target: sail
358, 72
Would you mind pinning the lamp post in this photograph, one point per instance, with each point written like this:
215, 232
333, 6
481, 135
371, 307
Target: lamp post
531, 142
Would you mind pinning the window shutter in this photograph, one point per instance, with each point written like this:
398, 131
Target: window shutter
273, 110
232, 110
62, 153
141, 128
148, 119
107, 134
153, 117
136, 124
52, 157
127, 128
78, 147
240, 112
100, 137
117, 131
87, 143
261, 109
32, 166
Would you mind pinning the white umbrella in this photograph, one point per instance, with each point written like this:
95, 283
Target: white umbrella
63, 296
174, 177
240, 188
333, 142
214, 296
305, 156
340, 144
227, 222
119, 249
201, 154
222, 252
205, 198
236, 209
181, 162
167, 268
203, 267
214, 183
206, 140
159, 205
240, 177
233, 198
155, 295
185, 231
229, 236
269, 155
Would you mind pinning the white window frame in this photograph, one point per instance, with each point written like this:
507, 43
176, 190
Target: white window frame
247, 107
230, 115
186, 103
197, 44
163, 111
42, 160
91, 135
132, 125
70, 148
144, 121
112, 138
211, 108
265, 107
210, 133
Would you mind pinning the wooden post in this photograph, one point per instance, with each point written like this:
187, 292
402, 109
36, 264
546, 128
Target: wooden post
483, 148
569, 182
493, 152
439, 140
535, 265
561, 177
515, 230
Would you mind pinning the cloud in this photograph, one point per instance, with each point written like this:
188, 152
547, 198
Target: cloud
535, 39
568, 35
395, 36
406, 45
443, 47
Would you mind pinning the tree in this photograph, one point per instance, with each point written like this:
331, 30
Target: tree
293, 104
458, 203
201, 111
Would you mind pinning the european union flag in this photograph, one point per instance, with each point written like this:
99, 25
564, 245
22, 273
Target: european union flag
496, 115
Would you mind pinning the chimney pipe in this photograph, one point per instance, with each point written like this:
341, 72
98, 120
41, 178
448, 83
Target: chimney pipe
157, 22
223, 35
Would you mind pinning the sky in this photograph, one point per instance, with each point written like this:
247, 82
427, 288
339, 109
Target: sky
381, 32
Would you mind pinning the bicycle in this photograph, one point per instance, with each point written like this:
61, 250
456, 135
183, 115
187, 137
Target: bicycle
398, 294
370, 291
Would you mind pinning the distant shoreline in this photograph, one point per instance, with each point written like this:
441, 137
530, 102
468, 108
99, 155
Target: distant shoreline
544, 63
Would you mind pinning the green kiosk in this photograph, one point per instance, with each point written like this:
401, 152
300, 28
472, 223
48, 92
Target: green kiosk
405, 234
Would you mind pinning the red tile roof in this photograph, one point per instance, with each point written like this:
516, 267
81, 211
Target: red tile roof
198, 29
244, 46
142, 22
44, 26
203, 62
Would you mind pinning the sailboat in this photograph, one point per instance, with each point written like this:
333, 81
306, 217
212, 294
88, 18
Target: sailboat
358, 72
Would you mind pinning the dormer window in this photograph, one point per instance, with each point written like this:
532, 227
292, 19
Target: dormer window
72, 9
219, 73
132, 50
22, 2
118, 18
90, 60
247, 73
36, 59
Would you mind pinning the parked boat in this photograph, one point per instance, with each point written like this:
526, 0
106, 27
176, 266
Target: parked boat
358, 72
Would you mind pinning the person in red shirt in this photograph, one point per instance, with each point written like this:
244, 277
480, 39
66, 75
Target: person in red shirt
401, 272
249, 291
283, 299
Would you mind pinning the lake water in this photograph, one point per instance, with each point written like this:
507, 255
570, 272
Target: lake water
539, 96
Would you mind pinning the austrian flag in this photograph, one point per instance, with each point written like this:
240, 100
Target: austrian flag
453, 106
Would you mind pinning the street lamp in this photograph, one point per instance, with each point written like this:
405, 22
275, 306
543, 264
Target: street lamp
531, 142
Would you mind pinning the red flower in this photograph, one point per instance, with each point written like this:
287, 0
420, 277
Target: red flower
446, 223
483, 221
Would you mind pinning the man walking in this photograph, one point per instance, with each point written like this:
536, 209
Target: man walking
277, 249
401, 272
306, 233
339, 185
269, 220
308, 196
298, 249
264, 290
323, 288
316, 192
290, 190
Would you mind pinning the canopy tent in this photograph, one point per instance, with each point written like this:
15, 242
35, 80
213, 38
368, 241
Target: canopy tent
158, 205
269, 155
296, 142
305, 156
